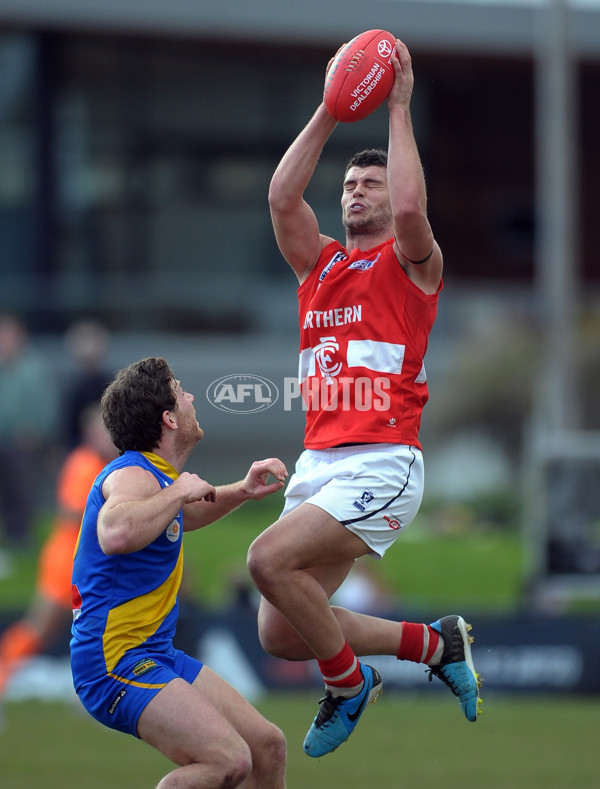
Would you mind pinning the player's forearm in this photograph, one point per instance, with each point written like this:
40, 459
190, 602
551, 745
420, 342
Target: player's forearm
406, 179
416, 248
201, 513
297, 166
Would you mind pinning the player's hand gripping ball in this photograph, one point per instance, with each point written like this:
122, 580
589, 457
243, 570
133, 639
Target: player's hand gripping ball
361, 76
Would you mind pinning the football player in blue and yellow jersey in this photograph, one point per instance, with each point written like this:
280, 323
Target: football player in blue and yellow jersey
126, 574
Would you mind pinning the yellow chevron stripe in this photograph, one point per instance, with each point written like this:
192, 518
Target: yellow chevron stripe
135, 683
128, 625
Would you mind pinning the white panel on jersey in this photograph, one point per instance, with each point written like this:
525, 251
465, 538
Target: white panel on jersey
422, 376
306, 365
382, 357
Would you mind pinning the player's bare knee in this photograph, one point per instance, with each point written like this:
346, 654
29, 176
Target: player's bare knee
232, 766
262, 566
271, 755
233, 770
224, 776
277, 745
237, 771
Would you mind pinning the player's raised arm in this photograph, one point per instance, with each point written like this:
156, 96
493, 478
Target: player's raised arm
294, 222
263, 478
415, 247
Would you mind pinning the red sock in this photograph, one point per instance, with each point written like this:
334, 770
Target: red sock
342, 670
418, 643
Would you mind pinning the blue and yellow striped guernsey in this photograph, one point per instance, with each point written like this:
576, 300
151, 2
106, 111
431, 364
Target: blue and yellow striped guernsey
124, 601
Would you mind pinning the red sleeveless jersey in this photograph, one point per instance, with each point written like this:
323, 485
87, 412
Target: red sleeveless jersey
364, 328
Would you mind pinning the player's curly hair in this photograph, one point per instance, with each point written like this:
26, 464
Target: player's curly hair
368, 158
133, 404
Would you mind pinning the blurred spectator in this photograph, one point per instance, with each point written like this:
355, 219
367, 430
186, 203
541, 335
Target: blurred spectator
364, 591
87, 343
244, 595
28, 399
50, 610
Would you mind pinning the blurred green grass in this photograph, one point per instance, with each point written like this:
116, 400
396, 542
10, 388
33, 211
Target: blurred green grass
403, 741
426, 568
430, 567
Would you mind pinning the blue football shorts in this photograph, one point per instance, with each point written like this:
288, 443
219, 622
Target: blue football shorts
118, 699
374, 490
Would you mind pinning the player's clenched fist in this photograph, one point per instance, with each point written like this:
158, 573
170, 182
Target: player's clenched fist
194, 488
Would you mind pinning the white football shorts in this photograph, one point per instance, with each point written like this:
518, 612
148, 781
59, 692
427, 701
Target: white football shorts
374, 490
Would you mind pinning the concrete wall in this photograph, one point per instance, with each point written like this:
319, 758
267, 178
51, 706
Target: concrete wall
502, 26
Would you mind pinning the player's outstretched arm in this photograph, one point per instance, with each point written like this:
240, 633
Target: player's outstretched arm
256, 485
294, 222
416, 248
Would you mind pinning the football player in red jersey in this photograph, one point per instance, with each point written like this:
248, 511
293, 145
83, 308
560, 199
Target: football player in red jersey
359, 482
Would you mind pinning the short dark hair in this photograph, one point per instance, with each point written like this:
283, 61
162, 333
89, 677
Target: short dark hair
368, 158
133, 404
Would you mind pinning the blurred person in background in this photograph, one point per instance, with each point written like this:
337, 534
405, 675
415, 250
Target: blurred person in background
87, 343
28, 418
364, 591
50, 610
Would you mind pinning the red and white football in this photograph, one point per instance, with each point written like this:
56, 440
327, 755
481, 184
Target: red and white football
361, 76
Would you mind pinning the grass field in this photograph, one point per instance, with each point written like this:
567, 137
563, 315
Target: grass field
408, 742
428, 568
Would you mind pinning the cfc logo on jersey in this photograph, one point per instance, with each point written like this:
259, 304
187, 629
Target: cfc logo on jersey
325, 353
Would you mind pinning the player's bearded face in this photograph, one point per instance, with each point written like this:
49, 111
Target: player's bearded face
189, 432
366, 208
372, 221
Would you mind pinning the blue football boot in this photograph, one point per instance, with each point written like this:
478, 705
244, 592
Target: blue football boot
338, 716
456, 668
